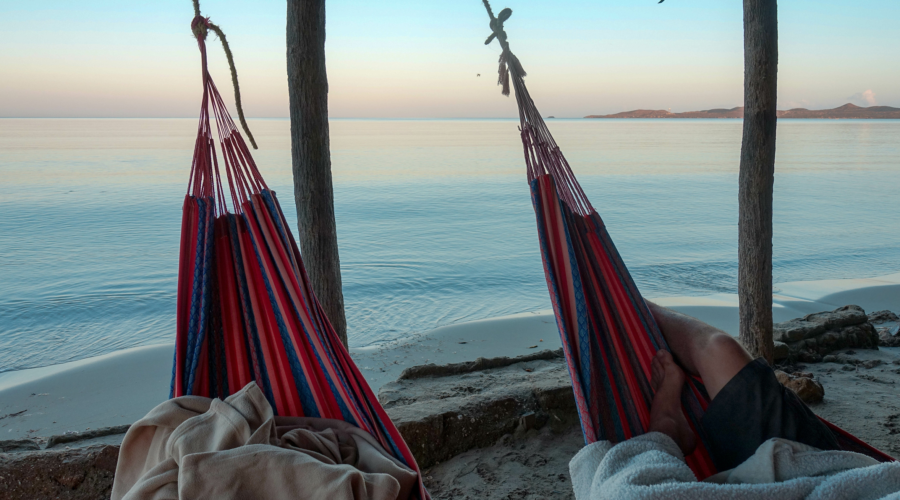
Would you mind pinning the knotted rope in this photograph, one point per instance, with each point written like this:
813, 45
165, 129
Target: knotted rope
506, 57
200, 26
542, 155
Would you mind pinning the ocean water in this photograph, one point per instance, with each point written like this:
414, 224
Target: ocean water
434, 218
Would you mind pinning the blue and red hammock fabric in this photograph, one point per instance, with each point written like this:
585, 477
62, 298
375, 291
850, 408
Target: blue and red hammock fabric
246, 310
608, 334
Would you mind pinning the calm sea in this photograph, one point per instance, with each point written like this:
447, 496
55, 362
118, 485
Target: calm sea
434, 218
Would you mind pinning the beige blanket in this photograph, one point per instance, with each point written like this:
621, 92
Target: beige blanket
194, 447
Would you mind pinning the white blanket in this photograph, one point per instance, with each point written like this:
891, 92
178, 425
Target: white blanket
652, 467
193, 447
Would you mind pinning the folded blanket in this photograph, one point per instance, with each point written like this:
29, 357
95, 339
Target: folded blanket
651, 466
195, 447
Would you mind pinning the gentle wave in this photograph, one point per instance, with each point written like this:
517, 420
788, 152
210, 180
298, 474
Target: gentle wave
434, 219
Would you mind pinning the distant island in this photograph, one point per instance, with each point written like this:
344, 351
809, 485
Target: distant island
847, 111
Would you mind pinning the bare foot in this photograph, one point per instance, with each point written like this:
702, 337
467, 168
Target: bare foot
666, 415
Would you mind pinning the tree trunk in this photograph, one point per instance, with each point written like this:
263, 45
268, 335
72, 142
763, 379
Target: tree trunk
310, 156
757, 176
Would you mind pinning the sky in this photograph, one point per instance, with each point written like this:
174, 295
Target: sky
404, 59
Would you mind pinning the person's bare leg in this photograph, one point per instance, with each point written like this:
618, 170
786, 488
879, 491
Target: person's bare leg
666, 415
701, 348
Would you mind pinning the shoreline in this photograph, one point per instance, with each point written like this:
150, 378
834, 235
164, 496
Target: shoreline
121, 387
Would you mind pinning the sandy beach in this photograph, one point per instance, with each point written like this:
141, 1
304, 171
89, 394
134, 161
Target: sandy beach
119, 388
535, 465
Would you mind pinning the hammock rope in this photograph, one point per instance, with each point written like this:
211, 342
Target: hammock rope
199, 27
608, 334
246, 310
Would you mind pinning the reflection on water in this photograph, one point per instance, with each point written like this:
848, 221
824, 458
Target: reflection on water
434, 218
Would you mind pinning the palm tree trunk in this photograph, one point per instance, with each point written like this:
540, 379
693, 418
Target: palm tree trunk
757, 176
310, 155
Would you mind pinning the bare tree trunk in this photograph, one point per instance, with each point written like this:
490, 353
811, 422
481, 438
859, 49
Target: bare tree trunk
313, 193
757, 176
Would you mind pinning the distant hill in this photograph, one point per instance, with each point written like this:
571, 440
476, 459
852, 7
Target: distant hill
661, 113
844, 112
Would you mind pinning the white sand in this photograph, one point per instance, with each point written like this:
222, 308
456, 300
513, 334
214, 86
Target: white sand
535, 465
795, 299
121, 387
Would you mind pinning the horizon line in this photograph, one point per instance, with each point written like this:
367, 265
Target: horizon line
261, 118
589, 118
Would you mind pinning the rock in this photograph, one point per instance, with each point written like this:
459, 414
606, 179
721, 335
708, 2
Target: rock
814, 335
803, 385
878, 317
831, 358
843, 359
432, 370
80, 473
782, 351
888, 337
830, 338
869, 364
809, 344
19, 445
870, 335
73, 437
842, 316
444, 411
808, 356
796, 330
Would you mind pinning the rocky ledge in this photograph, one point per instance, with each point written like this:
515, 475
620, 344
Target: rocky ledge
813, 336
71, 474
442, 411
71, 466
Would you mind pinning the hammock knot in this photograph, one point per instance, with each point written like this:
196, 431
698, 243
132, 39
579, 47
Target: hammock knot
506, 57
199, 26
497, 26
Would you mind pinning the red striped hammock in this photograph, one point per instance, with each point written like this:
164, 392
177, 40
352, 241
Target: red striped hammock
246, 310
608, 334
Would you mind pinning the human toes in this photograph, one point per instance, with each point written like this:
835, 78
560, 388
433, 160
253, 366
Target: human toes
665, 358
670, 367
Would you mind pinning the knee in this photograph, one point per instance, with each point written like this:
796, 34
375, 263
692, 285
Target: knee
720, 345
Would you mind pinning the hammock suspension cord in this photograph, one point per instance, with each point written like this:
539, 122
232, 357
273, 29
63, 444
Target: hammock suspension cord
240, 169
199, 27
542, 155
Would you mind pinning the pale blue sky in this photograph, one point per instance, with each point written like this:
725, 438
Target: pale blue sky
420, 59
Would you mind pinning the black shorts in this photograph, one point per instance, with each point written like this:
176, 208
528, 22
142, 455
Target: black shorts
754, 407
